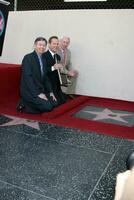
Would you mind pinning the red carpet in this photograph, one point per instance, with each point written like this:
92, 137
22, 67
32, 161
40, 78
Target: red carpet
62, 115
100, 127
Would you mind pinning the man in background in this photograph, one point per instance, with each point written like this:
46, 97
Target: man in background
67, 69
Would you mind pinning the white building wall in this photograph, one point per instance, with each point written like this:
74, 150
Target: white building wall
102, 46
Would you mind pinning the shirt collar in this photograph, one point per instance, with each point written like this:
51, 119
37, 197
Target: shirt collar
39, 55
63, 50
52, 53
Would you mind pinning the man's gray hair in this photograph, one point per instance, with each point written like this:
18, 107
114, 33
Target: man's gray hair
63, 37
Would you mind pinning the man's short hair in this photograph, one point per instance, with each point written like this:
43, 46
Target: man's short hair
40, 39
53, 37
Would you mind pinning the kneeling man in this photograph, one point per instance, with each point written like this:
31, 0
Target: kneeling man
35, 88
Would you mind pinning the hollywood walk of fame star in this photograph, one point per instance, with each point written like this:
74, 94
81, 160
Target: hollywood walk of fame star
108, 114
21, 121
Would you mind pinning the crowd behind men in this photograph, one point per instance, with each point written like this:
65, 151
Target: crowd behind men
40, 87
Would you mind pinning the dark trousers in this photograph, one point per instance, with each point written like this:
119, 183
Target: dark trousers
60, 96
38, 105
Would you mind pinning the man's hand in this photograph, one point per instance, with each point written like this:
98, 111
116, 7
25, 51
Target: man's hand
58, 66
53, 97
43, 96
72, 73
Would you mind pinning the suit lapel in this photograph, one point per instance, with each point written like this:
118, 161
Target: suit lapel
51, 59
44, 65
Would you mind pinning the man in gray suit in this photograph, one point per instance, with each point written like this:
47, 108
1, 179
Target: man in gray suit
65, 55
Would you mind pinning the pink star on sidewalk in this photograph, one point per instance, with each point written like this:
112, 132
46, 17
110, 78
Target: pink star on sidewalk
20, 121
108, 114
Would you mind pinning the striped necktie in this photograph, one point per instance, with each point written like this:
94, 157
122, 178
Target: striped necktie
63, 57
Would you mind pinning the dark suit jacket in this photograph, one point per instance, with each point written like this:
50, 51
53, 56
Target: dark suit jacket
53, 75
32, 84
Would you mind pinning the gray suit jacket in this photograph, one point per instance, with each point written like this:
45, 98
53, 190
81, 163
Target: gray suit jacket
67, 65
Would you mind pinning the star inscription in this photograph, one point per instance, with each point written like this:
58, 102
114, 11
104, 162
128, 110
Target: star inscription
108, 114
21, 121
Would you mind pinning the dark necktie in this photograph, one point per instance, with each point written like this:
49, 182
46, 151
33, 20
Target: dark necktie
55, 59
41, 66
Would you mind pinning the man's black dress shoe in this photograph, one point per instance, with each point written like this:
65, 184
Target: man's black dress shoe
20, 107
71, 96
130, 161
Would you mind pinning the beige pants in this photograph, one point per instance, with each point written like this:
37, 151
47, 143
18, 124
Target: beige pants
71, 88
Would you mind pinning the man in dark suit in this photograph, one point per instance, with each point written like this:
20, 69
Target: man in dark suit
53, 64
35, 88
